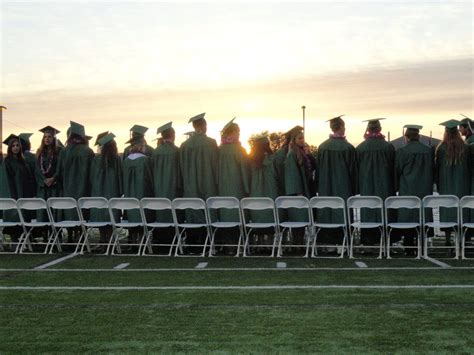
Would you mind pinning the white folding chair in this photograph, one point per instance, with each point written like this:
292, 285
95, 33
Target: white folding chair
396, 203
370, 202
293, 204
89, 204
125, 204
441, 201
9, 205
158, 204
259, 204
35, 204
195, 204
63, 204
334, 203
214, 204
467, 202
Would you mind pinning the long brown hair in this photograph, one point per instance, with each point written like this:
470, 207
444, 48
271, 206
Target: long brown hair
455, 147
109, 153
297, 149
53, 148
261, 147
10, 154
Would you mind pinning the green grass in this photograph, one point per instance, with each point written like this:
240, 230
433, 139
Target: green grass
356, 320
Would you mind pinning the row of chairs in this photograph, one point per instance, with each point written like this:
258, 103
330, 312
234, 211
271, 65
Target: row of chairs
311, 226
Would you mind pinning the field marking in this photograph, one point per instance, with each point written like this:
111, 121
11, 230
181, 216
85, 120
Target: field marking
426, 268
361, 264
56, 261
437, 262
121, 266
202, 265
212, 288
281, 265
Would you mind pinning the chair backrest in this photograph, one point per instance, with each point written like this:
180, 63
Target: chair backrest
467, 202
257, 203
284, 202
31, 204
218, 202
371, 202
447, 201
7, 204
184, 203
332, 202
399, 202
396, 202
93, 202
124, 203
156, 203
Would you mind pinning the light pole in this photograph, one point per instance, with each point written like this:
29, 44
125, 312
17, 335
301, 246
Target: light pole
304, 120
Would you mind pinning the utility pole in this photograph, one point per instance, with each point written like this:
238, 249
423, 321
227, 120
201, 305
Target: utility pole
304, 119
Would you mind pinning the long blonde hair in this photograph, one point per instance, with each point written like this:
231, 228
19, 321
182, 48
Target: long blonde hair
455, 147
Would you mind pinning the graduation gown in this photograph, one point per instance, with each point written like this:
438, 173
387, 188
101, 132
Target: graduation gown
30, 160
414, 168
297, 182
4, 187
167, 181
263, 183
137, 181
452, 179
337, 174
233, 176
75, 161
106, 181
279, 161
47, 168
376, 172
198, 161
17, 172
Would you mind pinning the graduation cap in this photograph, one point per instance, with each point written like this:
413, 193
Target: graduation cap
413, 126
164, 128
451, 125
373, 120
467, 122
59, 143
99, 136
197, 117
48, 129
25, 137
138, 130
334, 119
228, 126
106, 138
10, 138
77, 128
189, 134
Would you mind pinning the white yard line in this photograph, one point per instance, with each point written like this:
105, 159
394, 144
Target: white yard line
56, 261
430, 268
281, 265
202, 265
211, 288
361, 264
121, 266
437, 262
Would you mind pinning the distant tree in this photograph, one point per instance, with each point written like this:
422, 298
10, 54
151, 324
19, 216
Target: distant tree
277, 139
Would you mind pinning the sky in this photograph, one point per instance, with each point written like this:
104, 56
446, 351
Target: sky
109, 65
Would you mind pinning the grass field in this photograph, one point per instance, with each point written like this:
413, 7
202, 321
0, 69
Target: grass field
234, 305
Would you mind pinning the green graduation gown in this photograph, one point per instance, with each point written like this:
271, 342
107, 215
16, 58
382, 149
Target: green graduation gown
17, 172
198, 161
376, 170
337, 174
47, 167
233, 176
4, 187
414, 168
75, 161
263, 183
470, 142
279, 161
452, 179
137, 181
30, 160
297, 182
106, 181
167, 181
